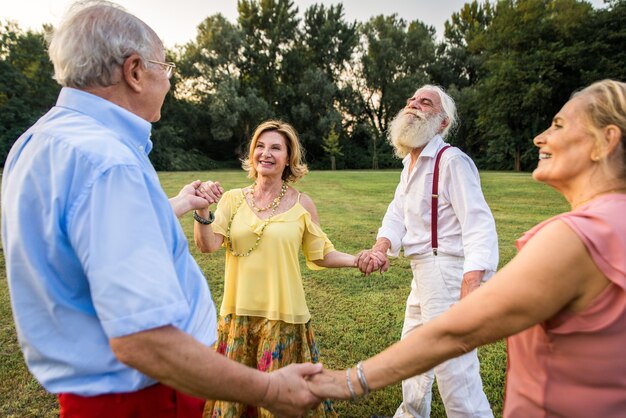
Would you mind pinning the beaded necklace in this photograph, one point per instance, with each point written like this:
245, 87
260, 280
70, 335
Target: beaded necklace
274, 203
273, 206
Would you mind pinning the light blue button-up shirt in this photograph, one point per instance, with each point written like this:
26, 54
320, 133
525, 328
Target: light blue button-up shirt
93, 248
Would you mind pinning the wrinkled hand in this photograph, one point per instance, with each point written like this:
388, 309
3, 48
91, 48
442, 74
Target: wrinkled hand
471, 281
329, 384
188, 199
288, 394
210, 190
369, 261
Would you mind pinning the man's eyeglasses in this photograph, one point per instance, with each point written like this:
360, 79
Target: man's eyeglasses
167, 66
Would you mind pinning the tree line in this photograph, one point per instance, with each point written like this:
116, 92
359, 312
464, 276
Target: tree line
510, 65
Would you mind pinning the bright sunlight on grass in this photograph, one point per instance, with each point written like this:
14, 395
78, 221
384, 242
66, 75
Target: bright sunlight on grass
354, 317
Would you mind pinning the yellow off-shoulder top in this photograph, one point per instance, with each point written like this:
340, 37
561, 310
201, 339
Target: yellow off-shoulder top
268, 282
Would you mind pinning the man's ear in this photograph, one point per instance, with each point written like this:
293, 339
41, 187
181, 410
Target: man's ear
133, 71
444, 123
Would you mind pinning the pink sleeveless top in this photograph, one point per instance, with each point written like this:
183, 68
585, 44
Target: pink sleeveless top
574, 364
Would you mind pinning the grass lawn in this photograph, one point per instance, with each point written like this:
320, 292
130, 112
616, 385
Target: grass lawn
354, 317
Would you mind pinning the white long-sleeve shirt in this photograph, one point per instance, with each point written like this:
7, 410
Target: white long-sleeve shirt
465, 225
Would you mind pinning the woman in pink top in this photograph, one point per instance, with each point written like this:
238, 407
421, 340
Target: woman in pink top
561, 300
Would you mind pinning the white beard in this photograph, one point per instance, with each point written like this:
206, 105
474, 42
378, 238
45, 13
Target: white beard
412, 129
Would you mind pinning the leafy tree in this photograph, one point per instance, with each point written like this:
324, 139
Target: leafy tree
332, 147
269, 30
328, 40
461, 54
509, 64
210, 68
533, 56
213, 57
27, 89
604, 47
327, 46
394, 58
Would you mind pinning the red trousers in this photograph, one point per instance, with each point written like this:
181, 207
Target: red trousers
157, 401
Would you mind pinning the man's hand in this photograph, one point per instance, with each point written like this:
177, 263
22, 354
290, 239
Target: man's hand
288, 393
471, 281
196, 196
210, 190
369, 261
187, 199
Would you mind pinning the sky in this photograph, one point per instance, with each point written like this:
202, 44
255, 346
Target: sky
175, 21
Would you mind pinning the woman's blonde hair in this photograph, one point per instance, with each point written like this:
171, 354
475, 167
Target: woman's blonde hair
606, 105
297, 168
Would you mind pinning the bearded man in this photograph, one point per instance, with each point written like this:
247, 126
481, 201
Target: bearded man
447, 232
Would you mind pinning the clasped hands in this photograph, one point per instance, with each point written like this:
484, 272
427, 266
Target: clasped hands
196, 195
369, 261
298, 388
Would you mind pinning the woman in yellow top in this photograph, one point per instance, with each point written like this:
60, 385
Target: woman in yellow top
264, 319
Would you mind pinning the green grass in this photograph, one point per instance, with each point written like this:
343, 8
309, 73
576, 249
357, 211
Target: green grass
354, 317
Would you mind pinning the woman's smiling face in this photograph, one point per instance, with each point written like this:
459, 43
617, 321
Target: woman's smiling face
566, 147
270, 154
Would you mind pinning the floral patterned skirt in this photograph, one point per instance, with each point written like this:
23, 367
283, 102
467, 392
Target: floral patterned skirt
266, 345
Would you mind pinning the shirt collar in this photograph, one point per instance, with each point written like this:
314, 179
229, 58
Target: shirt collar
132, 129
430, 150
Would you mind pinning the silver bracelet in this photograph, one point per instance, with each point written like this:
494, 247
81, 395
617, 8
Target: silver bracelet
361, 376
350, 388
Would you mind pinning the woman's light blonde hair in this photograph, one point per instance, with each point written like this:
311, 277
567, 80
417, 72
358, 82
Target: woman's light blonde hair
606, 105
297, 167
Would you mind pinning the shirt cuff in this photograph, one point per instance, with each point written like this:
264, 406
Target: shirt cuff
470, 265
142, 321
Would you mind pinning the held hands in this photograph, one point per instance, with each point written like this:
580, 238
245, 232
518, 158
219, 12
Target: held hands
288, 394
330, 384
210, 190
195, 196
186, 200
371, 260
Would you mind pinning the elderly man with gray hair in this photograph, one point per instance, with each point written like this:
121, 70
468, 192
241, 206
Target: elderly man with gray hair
111, 310
439, 217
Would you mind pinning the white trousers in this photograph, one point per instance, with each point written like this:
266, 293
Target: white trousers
436, 286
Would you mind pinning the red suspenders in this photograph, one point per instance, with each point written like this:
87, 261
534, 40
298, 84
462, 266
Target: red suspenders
434, 205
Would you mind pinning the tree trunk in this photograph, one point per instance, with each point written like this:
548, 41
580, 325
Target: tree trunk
333, 166
518, 160
375, 154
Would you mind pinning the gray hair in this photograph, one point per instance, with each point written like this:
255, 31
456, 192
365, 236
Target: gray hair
447, 104
94, 39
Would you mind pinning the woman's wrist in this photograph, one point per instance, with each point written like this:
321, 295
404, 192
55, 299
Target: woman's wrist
204, 212
202, 218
